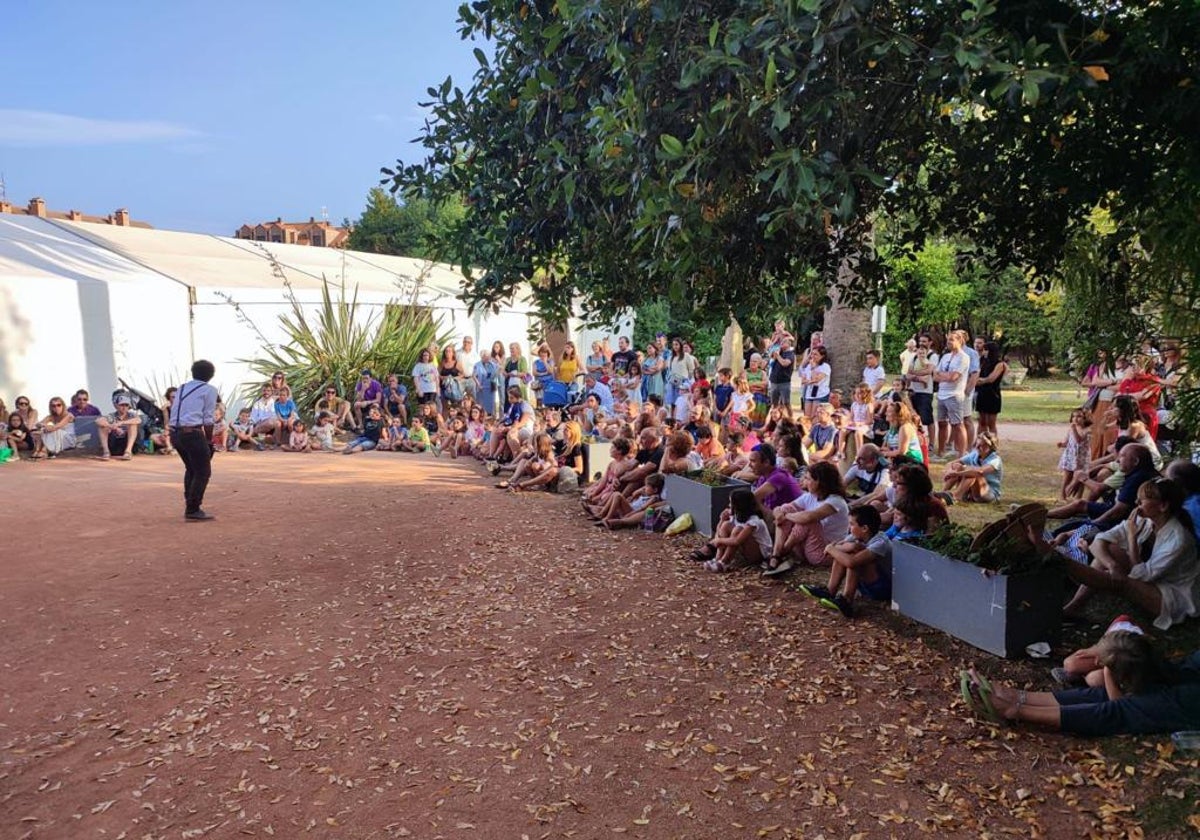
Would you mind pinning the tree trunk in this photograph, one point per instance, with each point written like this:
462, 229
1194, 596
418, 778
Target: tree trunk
847, 335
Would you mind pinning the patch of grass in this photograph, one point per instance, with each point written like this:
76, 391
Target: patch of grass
1030, 475
1042, 400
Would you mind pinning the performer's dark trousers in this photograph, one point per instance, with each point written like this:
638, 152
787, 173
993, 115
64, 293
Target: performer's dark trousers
196, 453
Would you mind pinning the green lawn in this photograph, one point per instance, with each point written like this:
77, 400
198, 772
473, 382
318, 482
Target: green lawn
1042, 401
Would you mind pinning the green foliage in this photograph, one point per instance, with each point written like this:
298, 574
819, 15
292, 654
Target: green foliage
692, 151
704, 333
1004, 554
332, 347
412, 229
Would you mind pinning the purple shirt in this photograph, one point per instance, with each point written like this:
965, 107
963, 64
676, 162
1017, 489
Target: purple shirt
786, 488
88, 411
372, 392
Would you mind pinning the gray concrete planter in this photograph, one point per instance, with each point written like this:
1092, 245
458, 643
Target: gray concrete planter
596, 458
1001, 614
703, 502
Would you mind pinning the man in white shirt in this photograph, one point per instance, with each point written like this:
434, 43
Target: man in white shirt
951, 377
972, 378
263, 419
874, 375
191, 423
467, 357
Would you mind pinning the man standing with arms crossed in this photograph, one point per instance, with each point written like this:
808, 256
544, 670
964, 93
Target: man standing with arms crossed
191, 423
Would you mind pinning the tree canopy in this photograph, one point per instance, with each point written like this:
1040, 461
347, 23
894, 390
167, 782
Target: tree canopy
690, 149
412, 229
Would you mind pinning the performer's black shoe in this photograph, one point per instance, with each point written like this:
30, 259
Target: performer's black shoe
198, 516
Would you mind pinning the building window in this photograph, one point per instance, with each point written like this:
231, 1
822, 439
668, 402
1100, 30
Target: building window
318, 240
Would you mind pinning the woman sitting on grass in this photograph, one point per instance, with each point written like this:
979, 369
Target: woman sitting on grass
1149, 559
976, 476
1139, 695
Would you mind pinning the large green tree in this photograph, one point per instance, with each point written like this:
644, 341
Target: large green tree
414, 228
721, 153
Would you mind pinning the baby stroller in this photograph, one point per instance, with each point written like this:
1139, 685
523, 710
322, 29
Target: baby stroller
555, 394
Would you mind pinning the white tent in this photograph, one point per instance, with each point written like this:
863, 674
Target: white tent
83, 304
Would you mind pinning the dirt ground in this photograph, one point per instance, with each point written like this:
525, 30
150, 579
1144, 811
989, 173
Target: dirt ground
384, 646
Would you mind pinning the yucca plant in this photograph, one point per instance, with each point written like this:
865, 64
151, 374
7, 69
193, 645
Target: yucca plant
332, 346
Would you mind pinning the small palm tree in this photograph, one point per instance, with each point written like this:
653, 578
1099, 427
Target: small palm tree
332, 346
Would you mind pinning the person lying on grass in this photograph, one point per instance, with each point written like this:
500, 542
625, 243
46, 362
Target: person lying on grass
1140, 695
859, 563
743, 538
620, 512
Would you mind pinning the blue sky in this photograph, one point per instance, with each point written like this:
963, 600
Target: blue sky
203, 115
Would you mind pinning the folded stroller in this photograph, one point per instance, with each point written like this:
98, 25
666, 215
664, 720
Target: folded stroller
141, 402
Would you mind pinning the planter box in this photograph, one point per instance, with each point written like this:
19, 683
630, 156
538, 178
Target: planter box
1001, 614
596, 458
704, 503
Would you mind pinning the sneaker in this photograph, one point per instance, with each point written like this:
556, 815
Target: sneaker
839, 603
260, 446
815, 591
783, 568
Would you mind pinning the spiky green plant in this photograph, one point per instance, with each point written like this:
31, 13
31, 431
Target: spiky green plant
331, 346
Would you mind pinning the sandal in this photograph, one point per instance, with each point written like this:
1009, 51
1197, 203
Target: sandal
503, 485
706, 552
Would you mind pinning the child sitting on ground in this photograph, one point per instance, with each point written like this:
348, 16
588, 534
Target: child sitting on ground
620, 512
297, 438
393, 433
417, 439
743, 538
861, 562
243, 431
323, 432
372, 430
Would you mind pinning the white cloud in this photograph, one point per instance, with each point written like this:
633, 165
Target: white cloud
43, 128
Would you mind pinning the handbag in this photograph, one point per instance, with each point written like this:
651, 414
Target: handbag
452, 390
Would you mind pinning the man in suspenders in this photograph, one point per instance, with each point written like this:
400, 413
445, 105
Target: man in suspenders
191, 423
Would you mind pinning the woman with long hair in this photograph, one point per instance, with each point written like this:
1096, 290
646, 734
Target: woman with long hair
987, 389
1148, 559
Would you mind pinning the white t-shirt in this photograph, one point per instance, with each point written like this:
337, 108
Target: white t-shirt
466, 360
864, 477
1172, 566
835, 525
762, 534
819, 390
949, 363
874, 376
425, 377
922, 386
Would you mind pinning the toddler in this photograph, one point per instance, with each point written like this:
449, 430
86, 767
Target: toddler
1076, 450
220, 434
297, 438
323, 432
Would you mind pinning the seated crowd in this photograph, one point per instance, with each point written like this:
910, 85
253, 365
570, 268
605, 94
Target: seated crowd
830, 485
